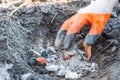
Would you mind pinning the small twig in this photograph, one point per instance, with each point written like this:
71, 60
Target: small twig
106, 47
102, 50
37, 53
60, 50
18, 8
54, 17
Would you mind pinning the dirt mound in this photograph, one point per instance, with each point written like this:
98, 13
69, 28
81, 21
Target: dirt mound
36, 27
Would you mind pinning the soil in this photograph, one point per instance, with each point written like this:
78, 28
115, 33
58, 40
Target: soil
35, 27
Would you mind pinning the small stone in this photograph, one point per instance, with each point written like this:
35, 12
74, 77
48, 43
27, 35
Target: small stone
51, 59
52, 68
27, 76
62, 67
81, 52
61, 72
80, 74
48, 60
54, 56
71, 75
93, 67
113, 48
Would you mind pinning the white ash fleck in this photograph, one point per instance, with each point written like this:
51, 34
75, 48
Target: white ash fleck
71, 75
76, 64
4, 75
52, 67
27, 76
113, 48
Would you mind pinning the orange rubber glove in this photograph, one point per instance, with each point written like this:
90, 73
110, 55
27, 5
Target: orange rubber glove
96, 14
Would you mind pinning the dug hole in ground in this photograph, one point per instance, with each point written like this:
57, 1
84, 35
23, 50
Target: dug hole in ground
32, 30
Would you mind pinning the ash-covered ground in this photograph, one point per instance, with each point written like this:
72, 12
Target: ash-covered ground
35, 28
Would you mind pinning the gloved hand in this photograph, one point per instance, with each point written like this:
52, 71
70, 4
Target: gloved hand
68, 31
96, 14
